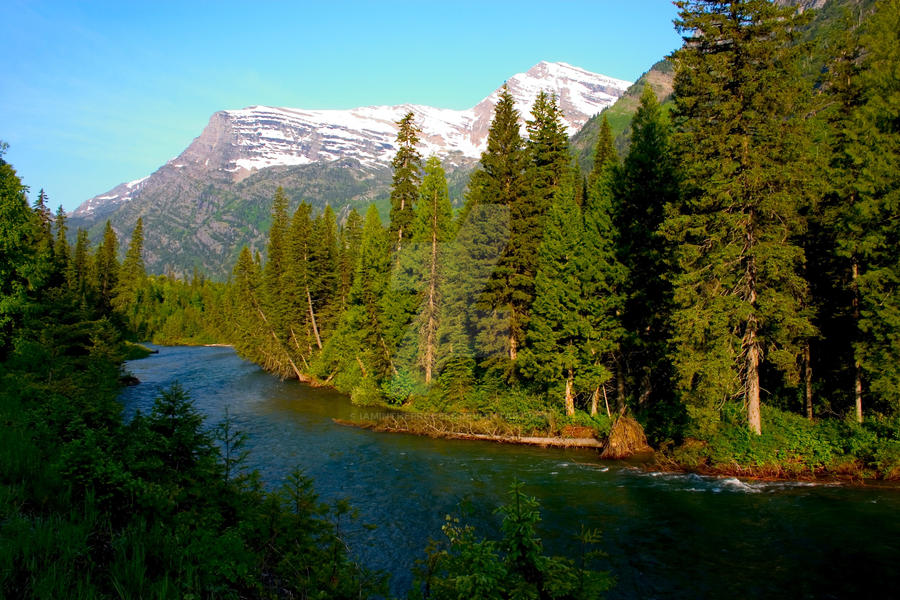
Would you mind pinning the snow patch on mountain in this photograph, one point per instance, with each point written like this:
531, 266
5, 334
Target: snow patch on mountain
118, 195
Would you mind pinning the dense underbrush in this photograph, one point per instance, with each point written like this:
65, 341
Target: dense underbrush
791, 446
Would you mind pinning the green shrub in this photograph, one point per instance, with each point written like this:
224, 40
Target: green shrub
366, 393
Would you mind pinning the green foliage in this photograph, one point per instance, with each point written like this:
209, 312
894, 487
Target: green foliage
401, 387
92, 508
407, 165
466, 566
605, 152
106, 266
739, 290
498, 319
358, 346
367, 393
555, 336
790, 445
644, 188
16, 251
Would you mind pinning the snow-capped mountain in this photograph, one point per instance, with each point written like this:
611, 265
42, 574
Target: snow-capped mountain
238, 143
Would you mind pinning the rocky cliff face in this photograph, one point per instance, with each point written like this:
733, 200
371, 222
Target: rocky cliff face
214, 196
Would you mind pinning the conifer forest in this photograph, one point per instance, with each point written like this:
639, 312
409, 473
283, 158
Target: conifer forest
725, 293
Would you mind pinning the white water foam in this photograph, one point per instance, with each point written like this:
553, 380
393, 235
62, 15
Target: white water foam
691, 482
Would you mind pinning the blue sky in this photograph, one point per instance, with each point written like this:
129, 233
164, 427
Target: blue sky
96, 94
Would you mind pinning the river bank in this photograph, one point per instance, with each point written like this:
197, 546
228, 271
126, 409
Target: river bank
498, 431
791, 449
656, 525
541, 441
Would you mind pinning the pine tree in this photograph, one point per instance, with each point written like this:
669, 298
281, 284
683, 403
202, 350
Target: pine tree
866, 202
830, 356
407, 165
646, 184
16, 250
61, 246
44, 218
604, 152
106, 266
547, 152
43, 265
132, 273
351, 235
301, 315
78, 275
244, 291
603, 278
497, 314
324, 276
358, 350
740, 295
274, 303
432, 233
555, 334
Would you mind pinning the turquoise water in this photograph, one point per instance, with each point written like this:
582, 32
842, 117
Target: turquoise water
666, 535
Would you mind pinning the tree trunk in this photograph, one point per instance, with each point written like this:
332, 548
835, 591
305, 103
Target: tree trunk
606, 401
595, 400
807, 361
312, 318
431, 324
620, 385
857, 366
751, 343
300, 376
362, 367
753, 417
570, 398
512, 347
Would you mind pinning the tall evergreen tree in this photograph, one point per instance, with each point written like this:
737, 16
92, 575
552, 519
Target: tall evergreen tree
604, 152
302, 317
554, 352
740, 293
106, 266
358, 349
44, 218
43, 265
244, 292
351, 235
432, 233
133, 271
602, 277
407, 165
324, 276
61, 245
830, 356
499, 314
78, 274
865, 202
645, 186
275, 300
16, 250
132, 274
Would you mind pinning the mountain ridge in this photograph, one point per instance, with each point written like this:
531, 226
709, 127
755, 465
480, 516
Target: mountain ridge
238, 142
215, 196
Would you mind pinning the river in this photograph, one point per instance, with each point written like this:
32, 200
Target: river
666, 535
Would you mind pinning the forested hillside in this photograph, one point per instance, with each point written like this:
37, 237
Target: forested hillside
735, 270
163, 506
